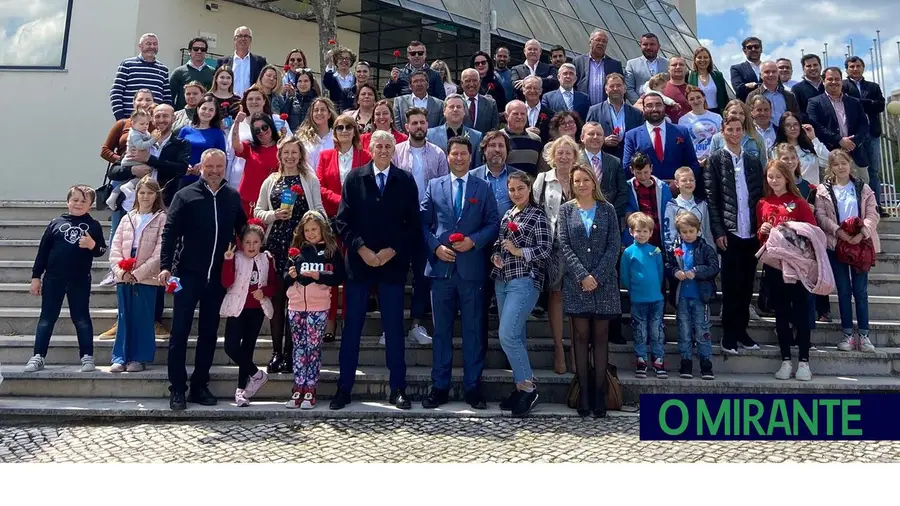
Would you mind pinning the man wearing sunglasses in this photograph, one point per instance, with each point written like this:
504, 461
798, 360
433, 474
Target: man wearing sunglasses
399, 83
746, 76
246, 66
195, 69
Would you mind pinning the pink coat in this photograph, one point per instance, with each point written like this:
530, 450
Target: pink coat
827, 216
146, 269
236, 296
782, 254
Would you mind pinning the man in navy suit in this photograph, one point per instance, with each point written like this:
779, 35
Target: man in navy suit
745, 76
872, 100
840, 121
614, 113
667, 145
533, 67
566, 98
591, 70
460, 221
811, 85
245, 65
378, 221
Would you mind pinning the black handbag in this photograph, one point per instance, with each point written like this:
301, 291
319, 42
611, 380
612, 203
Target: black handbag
104, 191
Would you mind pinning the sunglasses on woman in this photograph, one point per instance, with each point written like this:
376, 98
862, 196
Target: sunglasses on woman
260, 129
341, 128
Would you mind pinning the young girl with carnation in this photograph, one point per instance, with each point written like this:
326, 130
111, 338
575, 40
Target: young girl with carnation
249, 277
315, 268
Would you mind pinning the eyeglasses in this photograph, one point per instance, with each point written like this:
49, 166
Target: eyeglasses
792, 125
243, 36
753, 46
479, 63
198, 49
344, 59
416, 53
261, 129
342, 128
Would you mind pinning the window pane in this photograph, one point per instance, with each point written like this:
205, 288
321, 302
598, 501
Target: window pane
614, 51
538, 19
634, 23
694, 43
680, 45
630, 47
660, 12
429, 10
509, 18
574, 32
641, 7
587, 13
34, 34
611, 16
465, 8
676, 18
562, 6
625, 4
664, 40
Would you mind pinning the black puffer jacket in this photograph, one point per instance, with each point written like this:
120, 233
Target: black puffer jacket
722, 193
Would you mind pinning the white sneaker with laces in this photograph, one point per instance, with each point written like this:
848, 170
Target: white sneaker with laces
109, 280
848, 343
35, 363
381, 341
803, 372
753, 314
418, 335
866, 345
784, 372
87, 364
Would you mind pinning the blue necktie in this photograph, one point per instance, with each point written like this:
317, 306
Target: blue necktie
380, 178
457, 202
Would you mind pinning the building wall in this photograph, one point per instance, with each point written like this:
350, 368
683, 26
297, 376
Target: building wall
59, 119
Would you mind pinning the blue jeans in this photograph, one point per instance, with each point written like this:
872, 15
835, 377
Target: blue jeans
692, 317
135, 332
851, 283
647, 321
873, 145
115, 217
78, 293
515, 300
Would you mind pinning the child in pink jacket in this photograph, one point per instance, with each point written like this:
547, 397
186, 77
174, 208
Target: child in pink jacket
315, 267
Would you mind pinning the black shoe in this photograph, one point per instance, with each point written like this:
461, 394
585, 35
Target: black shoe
203, 397
538, 312
508, 403
435, 398
640, 369
749, 344
686, 370
600, 412
492, 309
525, 404
287, 367
372, 305
617, 339
329, 338
274, 364
706, 371
176, 401
399, 398
475, 399
340, 400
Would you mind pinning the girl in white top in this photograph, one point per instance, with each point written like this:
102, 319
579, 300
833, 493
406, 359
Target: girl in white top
254, 101
315, 131
702, 123
812, 153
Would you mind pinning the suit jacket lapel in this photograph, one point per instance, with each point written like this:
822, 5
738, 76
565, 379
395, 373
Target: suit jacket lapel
447, 190
470, 194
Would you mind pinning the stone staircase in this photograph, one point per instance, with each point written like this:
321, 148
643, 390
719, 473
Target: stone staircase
61, 389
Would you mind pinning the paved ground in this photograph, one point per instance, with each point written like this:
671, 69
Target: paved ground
401, 440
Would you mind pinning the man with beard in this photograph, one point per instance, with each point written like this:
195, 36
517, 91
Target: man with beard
482, 113
615, 115
557, 57
811, 85
454, 117
841, 123
639, 70
667, 145
143, 71
504, 73
424, 161
591, 69
746, 76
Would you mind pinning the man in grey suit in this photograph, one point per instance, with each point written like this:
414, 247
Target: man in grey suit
639, 70
418, 83
481, 110
591, 69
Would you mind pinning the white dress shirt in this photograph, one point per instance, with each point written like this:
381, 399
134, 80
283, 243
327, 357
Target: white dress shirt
241, 69
345, 164
532, 70
662, 132
743, 196
420, 102
385, 172
454, 189
755, 67
533, 114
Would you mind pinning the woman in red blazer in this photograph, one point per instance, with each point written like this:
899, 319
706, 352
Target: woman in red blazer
331, 171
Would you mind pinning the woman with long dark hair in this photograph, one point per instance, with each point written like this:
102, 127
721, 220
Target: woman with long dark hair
383, 120
204, 132
260, 156
490, 83
300, 95
812, 153
364, 114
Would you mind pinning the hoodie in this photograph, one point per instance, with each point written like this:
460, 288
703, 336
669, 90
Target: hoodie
308, 294
59, 255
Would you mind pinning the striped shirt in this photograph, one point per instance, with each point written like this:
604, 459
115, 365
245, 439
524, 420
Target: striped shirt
524, 152
135, 74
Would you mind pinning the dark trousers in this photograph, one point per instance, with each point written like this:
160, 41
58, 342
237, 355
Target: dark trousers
78, 293
738, 274
279, 324
791, 304
241, 333
390, 301
421, 283
195, 290
160, 304
447, 296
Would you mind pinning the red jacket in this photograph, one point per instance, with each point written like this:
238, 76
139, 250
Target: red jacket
329, 174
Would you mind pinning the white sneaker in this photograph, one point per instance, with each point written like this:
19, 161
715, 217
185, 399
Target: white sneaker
803, 372
295, 401
381, 341
109, 280
848, 343
866, 345
35, 363
418, 335
753, 314
784, 372
87, 364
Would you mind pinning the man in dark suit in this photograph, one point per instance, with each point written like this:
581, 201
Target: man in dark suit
840, 121
481, 110
538, 116
745, 76
667, 145
458, 204
811, 85
378, 221
566, 98
615, 115
591, 69
533, 67
399, 83
418, 98
245, 65
613, 182
872, 100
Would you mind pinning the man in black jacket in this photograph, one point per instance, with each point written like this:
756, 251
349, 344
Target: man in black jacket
811, 85
400, 77
378, 221
204, 218
872, 100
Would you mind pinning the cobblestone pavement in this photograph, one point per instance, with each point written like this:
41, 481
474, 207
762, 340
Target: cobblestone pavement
402, 440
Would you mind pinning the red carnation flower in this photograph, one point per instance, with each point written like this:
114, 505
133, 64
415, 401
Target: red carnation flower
293, 252
512, 227
396, 53
287, 68
473, 200
127, 264
332, 42
490, 86
679, 252
296, 188
171, 287
457, 237
616, 131
283, 116
542, 116
225, 104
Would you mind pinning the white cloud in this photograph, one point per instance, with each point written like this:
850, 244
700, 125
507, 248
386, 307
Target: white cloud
32, 33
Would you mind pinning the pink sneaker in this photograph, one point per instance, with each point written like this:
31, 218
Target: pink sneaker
240, 398
255, 383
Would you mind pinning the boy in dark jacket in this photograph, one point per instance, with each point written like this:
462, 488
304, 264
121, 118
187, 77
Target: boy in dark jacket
692, 266
65, 255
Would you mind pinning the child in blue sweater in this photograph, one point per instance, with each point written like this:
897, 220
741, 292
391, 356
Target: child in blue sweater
641, 273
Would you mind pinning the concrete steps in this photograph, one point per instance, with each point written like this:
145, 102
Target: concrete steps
32, 229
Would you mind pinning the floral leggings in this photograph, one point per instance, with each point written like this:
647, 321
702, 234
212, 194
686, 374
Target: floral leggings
307, 329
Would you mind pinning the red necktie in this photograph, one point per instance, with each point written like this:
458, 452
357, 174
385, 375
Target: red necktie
657, 143
472, 109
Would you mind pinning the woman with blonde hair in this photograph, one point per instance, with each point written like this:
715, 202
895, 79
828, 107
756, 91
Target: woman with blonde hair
440, 66
269, 82
315, 130
711, 81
